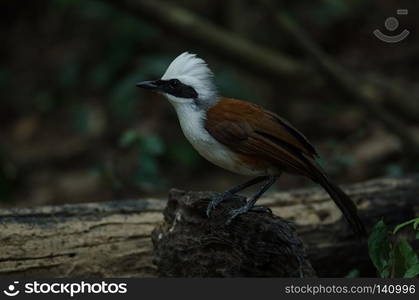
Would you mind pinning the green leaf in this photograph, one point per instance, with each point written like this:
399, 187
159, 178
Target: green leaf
404, 258
400, 226
386, 272
379, 248
412, 272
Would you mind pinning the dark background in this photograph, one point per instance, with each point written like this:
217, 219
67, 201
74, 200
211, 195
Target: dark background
74, 128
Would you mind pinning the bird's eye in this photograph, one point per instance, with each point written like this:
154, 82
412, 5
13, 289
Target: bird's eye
174, 82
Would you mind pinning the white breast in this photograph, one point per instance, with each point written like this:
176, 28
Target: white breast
192, 123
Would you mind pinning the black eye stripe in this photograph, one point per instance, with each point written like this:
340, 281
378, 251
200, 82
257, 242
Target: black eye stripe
177, 88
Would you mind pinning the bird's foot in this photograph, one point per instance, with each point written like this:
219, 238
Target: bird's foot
221, 197
259, 208
246, 208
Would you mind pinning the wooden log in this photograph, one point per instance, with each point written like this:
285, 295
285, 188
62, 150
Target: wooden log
113, 239
89, 240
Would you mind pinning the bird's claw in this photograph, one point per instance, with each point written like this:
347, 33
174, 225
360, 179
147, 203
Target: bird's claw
211, 206
218, 199
244, 209
259, 208
236, 212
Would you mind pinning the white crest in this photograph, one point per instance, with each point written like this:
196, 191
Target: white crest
193, 71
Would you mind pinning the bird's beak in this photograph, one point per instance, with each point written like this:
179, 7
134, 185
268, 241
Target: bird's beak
150, 85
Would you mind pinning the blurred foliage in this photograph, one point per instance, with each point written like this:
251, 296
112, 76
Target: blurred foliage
182, 153
122, 99
7, 178
4, 78
353, 274
44, 102
5, 186
392, 255
394, 170
328, 11
229, 83
73, 65
149, 149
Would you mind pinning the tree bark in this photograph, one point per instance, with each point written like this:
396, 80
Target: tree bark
113, 239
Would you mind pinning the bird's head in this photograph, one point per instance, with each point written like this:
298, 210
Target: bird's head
187, 81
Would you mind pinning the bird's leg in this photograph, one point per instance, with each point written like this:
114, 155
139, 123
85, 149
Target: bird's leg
250, 205
230, 193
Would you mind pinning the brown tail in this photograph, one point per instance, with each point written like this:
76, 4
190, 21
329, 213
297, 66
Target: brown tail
345, 204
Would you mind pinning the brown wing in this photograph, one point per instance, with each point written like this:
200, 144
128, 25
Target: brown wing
251, 130
263, 136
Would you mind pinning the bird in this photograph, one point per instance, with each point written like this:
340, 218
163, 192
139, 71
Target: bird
242, 137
